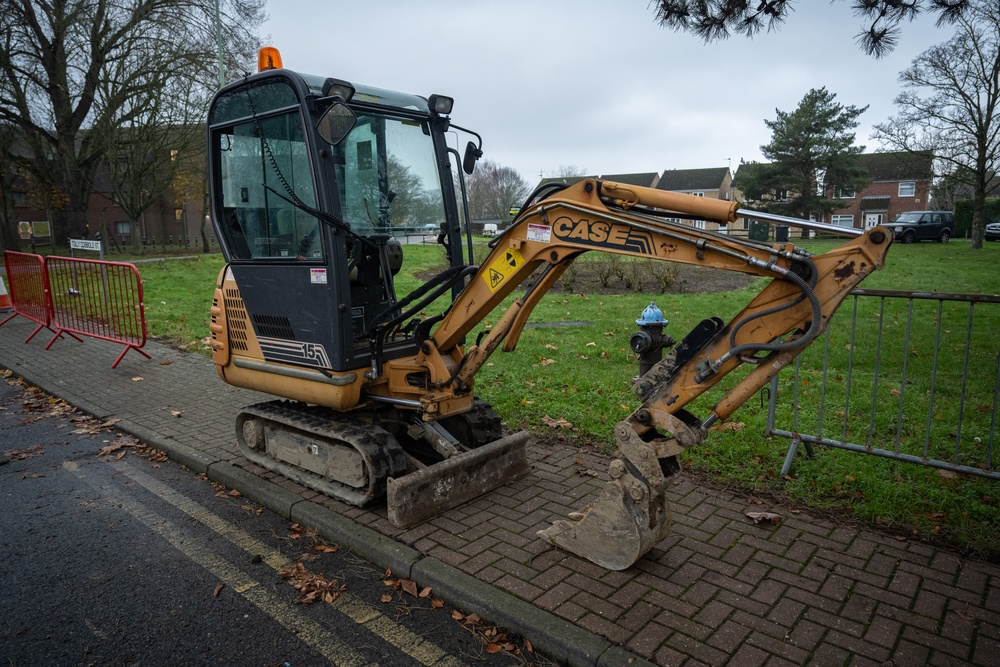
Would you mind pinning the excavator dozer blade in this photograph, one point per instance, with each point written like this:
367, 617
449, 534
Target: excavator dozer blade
419, 495
616, 529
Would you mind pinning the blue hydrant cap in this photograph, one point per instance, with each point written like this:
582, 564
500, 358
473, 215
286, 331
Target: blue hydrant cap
651, 316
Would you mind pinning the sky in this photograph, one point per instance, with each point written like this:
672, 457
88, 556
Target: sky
598, 86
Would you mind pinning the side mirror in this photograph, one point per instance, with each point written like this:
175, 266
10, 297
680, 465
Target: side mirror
336, 123
472, 155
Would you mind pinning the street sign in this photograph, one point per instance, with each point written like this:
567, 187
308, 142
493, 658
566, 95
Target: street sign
80, 244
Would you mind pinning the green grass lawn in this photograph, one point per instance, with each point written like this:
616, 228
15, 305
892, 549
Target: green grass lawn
582, 373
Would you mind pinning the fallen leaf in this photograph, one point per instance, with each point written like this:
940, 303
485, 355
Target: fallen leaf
947, 474
761, 517
235, 494
436, 603
457, 615
137, 379
166, 363
473, 619
387, 597
494, 648
175, 413
549, 346
547, 362
325, 549
591, 345
556, 423
409, 586
29, 452
218, 589
425, 593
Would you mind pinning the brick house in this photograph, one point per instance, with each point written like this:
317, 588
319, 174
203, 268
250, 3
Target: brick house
900, 182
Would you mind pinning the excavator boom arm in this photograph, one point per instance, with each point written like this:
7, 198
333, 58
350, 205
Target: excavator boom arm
632, 515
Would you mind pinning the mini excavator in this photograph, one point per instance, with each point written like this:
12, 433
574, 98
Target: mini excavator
314, 181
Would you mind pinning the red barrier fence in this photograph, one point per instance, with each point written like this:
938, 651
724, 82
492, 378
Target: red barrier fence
80, 296
29, 289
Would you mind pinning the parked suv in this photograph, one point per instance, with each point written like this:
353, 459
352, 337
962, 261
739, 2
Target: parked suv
992, 232
924, 226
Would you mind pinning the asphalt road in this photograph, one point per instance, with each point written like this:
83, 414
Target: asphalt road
125, 559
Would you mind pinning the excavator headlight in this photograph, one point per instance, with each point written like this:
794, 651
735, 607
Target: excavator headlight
268, 57
440, 104
338, 88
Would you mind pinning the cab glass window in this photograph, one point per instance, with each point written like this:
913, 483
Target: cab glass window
263, 168
388, 177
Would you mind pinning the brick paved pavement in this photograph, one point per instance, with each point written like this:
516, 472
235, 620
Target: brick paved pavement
719, 590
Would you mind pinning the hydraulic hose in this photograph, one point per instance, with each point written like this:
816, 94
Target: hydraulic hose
805, 339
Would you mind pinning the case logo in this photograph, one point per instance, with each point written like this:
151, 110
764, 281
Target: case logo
603, 234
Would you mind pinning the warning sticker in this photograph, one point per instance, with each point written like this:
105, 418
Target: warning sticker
502, 268
317, 276
540, 233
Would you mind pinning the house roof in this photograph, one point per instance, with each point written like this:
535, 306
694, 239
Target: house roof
645, 179
898, 166
692, 179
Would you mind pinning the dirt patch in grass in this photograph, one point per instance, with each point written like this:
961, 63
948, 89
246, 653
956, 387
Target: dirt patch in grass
610, 274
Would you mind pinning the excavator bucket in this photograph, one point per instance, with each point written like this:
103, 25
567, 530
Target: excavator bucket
625, 522
422, 494
632, 513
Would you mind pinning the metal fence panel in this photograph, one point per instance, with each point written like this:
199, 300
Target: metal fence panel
98, 299
29, 289
904, 375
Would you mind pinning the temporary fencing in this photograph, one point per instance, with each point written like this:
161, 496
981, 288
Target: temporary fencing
909, 376
79, 296
29, 289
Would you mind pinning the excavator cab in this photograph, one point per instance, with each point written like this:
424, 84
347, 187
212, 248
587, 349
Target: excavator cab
313, 183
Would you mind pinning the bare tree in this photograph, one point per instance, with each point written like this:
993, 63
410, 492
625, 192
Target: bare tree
716, 19
73, 71
145, 155
950, 103
569, 171
493, 190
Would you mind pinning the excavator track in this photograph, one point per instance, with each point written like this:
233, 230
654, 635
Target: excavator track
343, 458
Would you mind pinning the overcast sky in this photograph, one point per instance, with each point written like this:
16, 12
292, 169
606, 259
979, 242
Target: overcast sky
596, 85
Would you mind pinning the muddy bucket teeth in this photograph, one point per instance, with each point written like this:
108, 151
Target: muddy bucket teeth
616, 529
422, 494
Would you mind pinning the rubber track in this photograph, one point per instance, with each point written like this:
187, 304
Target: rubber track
381, 453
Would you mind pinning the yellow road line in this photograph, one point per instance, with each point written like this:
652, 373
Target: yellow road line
312, 633
359, 611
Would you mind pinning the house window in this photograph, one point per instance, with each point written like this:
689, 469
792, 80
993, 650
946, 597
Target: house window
782, 195
844, 192
907, 188
842, 220
697, 194
699, 224
122, 228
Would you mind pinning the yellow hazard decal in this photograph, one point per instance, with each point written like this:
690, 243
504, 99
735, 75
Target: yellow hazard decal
502, 268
